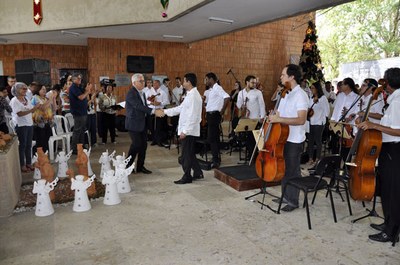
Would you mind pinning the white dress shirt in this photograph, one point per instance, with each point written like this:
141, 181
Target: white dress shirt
176, 95
391, 118
294, 101
376, 106
166, 91
190, 113
344, 101
321, 111
215, 98
255, 103
162, 98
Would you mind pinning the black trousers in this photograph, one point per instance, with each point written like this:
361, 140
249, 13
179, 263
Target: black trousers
108, 125
315, 136
160, 125
389, 180
189, 160
42, 136
4, 127
213, 133
138, 147
292, 153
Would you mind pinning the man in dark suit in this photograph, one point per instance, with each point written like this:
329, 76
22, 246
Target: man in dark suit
137, 113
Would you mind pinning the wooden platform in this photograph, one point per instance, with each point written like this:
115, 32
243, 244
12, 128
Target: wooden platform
241, 177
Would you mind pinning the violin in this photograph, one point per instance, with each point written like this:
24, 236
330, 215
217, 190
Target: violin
310, 111
153, 97
270, 163
362, 158
244, 110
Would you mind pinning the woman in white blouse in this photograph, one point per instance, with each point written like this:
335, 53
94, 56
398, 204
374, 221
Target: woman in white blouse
320, 107
22, 117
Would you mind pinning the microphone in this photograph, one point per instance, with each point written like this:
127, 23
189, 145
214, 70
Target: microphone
230, 70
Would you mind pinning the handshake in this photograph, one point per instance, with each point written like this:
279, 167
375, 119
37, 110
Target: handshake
159, 113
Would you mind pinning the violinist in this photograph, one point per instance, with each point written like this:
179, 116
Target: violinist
251, 105
389, 160
367, 88
343, 102
234, 109
158, 99
292, 111
317, 114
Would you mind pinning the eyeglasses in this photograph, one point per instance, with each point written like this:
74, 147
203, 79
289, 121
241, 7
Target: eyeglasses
140, 81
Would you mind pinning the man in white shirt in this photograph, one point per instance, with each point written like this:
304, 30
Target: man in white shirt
157, 99
188, 128
177, 92
165, 87
328, 92
217, 100
251, 105
292, 111
389, 160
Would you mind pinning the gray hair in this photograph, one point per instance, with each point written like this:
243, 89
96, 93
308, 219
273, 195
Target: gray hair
17, 87
135, 77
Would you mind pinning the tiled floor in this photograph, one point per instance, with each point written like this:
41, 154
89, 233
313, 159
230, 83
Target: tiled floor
205, 222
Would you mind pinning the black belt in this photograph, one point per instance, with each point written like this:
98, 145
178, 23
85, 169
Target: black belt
213, 112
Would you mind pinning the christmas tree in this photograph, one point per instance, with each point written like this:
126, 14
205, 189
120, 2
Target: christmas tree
310, 60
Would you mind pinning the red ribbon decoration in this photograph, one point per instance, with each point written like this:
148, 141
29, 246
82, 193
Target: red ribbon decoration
37, 11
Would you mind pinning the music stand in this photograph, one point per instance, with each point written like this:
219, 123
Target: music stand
245, 126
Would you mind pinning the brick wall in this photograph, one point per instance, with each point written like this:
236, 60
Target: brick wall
261, 50
60, 56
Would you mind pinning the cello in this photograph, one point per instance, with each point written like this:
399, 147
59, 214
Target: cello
362, 157
270, 163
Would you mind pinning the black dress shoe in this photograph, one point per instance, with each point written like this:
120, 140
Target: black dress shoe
144, 170
278, 200
198, 177
380, 227
289, 208
380, 237
183, 181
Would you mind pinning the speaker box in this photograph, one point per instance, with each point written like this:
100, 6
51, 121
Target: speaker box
3, 81
28, 78
140, 64
32, 66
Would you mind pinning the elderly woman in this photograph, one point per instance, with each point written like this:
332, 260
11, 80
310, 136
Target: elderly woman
42, 117
22, 117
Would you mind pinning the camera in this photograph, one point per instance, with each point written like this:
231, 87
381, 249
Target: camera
108, 82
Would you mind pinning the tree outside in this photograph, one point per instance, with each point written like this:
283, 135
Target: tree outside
358, 31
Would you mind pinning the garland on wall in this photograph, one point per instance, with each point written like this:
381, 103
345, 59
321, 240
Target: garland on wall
164, 4
37, 11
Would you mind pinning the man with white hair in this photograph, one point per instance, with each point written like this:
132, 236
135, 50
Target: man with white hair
137, 113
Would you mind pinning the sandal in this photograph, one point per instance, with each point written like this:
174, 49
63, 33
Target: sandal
30, 167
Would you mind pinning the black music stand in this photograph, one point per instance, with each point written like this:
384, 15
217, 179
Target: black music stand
371, 213
245, 126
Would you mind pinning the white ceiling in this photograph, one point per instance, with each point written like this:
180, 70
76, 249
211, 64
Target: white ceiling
193, 26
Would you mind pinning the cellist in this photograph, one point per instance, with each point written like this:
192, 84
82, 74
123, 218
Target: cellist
389, 160
292, 111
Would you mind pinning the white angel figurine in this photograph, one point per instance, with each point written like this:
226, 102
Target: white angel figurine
122, 173
120, 160
81, 202
105, 161
111, 196
89, 166
62, 160
44, 207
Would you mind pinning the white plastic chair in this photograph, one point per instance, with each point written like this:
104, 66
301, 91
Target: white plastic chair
55, 139
62, 130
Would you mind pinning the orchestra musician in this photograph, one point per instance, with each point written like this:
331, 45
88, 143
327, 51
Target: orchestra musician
217, 100
158, 99
292, 111
251, 105
375, 113
343, 102
389, 160
317, 113
234, 110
